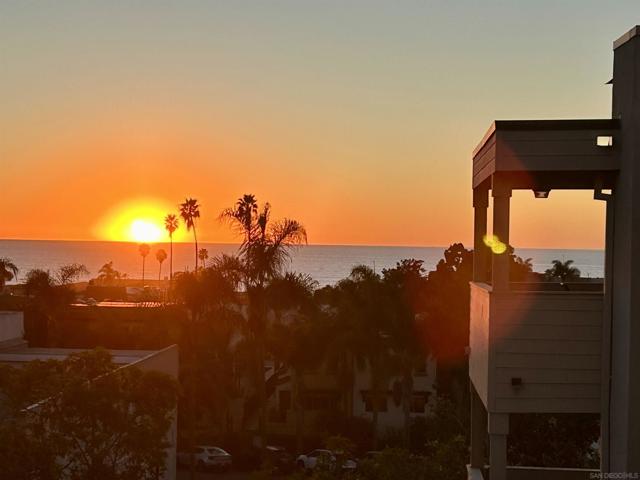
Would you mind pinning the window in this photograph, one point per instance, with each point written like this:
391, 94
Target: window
284, 400
320, 400
367, 397
419, 402
604, 140
421, 369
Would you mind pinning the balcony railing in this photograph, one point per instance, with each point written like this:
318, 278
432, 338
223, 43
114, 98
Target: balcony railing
537, 347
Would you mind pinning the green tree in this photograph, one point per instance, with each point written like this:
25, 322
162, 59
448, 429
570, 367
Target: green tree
144, 250
83, 417
190, 211
161, 256
263, 254
8, 271
562, 271
170, 225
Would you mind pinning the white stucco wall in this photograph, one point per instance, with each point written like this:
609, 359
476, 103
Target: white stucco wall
11, 326
394, 416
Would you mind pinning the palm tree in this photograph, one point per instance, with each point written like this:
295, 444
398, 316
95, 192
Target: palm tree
296, 344
171, 225
563, 271
264, 252
364, 320
189, 211
406, 284
161, 256
8, 271
203, 254
144, 250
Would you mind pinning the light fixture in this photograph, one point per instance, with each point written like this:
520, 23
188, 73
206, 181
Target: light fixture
541, 193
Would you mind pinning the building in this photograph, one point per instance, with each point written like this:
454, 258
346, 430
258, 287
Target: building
15, 351
323, 394
545, 348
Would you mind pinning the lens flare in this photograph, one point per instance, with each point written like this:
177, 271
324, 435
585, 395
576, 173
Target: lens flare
494, 243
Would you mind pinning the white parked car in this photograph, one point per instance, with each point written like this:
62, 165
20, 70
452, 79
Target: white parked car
322, 457
207, 457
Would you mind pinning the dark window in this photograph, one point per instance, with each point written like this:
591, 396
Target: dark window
418, 402
421, 370
368, 401
320, 401
284, 400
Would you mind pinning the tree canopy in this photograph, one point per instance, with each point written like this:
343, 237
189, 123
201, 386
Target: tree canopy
83, 417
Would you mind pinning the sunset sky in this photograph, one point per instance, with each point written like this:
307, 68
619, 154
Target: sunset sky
357, 118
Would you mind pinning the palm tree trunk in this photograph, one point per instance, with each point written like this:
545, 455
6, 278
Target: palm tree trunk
160, 272
195, 240
374, 404
297, 402
170, 259
407, 393
143, 259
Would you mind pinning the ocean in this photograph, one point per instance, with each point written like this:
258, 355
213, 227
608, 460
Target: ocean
325, 263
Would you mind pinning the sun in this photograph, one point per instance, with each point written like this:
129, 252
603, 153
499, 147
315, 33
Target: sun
144, 231
137, 220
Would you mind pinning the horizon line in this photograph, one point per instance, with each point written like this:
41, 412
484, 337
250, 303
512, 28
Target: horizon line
307, 245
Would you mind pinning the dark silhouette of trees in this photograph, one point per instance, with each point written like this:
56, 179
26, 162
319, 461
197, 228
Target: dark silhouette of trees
144, 250
83, 417
190, 211
161, 256
562, 272
207, 363
50, 292
109, 276
8, 271
203, 255
171, 225
263, 254
407, 283
293, 339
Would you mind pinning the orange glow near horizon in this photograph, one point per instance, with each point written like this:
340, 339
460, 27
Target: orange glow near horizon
137, 220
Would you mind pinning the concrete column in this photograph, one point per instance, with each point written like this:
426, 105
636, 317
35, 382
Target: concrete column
480, 250
501, 192
498, 431
478, 430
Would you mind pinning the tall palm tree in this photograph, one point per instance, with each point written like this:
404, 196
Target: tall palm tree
203, 255
171, 225
161, 256
264, 252
144, 250
8, 271
189, 211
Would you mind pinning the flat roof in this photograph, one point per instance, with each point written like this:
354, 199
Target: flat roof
25, 354
634, 32
555, 124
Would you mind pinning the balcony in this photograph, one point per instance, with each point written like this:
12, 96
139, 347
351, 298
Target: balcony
537, 347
